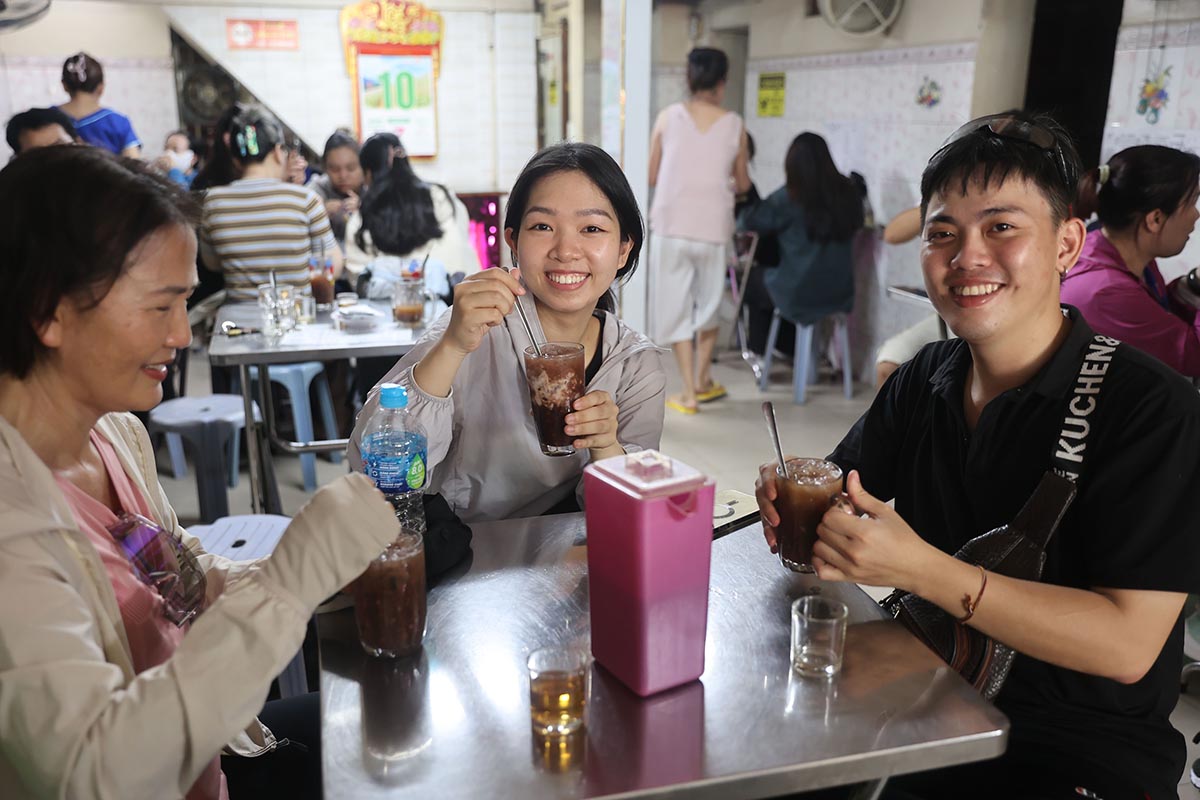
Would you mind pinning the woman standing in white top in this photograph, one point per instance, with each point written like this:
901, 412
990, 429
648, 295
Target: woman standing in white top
699, 159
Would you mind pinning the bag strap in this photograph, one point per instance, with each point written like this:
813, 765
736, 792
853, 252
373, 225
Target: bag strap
1067, 457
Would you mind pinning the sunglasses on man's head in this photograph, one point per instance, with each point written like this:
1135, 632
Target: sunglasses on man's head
1006, 126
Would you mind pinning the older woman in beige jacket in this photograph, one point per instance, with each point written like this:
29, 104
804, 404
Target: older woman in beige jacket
89, 322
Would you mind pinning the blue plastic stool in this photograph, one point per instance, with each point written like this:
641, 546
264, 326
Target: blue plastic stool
212, 426
295, 378
804, 366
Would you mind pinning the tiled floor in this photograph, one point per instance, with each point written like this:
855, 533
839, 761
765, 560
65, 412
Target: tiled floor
727, 439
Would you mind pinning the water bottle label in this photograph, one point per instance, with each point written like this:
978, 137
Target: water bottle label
394, 475
416, 471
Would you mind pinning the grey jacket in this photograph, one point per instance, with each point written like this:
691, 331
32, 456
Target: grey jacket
484, 456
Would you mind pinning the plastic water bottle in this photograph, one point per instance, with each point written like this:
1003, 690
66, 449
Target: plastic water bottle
394, 449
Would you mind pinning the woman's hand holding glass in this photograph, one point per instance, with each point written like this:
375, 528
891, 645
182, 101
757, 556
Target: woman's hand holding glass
594, 425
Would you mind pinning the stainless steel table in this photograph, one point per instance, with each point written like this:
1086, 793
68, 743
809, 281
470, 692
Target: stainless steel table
454, 721
319, 341
918, 296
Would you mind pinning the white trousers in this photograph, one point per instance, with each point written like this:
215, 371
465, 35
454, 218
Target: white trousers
687, 279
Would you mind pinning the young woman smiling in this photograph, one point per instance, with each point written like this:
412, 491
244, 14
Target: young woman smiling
574, 229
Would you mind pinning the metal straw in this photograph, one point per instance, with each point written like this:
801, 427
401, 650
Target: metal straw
525, 321
773, 430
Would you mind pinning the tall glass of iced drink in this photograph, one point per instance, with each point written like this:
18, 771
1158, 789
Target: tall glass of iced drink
803, 494
556, 381
389, 599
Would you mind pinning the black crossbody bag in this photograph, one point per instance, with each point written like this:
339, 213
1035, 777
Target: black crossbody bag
1017, 549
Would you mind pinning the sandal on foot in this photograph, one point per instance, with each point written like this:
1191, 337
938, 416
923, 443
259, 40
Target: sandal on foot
680, 407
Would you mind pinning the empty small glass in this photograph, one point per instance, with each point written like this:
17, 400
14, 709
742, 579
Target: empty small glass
818, 636
558, 689
278, 307
306, 306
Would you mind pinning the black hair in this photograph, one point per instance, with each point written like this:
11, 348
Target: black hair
81, 73
184, 134
34, 120
832, 206
253, 133
750, 148
107, 205
598, 166
706, 67
994, 157
375, 154
219, 169
339, 139
398, 211
1140, 180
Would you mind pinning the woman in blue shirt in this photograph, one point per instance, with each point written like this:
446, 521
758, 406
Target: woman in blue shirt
83, 79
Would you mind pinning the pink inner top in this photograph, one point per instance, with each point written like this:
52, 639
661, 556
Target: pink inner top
152, 637
693, 192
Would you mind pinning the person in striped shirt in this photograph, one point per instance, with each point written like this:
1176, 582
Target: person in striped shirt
260, 224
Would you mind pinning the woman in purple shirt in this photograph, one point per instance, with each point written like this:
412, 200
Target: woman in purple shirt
1145, 198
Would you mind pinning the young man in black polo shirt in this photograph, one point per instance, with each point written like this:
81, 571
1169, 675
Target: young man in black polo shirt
960, 436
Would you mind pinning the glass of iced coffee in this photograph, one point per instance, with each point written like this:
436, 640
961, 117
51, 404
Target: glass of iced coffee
556, 381
408, 302
389, 599
802, 495
321, 283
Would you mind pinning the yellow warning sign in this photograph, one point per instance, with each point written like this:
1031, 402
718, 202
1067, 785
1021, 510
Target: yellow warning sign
770, 94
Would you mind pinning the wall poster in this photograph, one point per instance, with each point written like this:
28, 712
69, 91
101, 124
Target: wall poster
262, 34
396, 92
771, 93
392, 52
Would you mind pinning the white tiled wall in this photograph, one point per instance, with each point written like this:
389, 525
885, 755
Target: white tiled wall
1140, 51
516, 82
668, 84
487, 103
142, 89
865, 106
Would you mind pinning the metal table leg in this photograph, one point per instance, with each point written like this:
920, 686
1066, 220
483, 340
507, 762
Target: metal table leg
254, 441
268, 484
871, 790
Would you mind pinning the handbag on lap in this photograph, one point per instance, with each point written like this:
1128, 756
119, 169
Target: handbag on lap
1017, 549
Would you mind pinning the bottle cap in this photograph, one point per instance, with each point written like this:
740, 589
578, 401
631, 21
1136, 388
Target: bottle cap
393, 395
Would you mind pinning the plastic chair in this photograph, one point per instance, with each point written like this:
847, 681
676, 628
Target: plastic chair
804, 369
243, 538
212, 426
295, 378
739, 264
